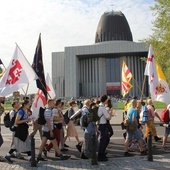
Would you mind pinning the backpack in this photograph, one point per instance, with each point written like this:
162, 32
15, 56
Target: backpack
85, 119
94, 112
90, 116
126, 121
12, 122
41, 119
144, 114
66, 118
7, 120
165, 116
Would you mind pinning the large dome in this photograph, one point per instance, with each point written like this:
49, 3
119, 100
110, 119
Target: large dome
113, 26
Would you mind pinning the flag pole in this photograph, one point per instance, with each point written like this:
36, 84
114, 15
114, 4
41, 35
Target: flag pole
143, 85
137, 85
44, 87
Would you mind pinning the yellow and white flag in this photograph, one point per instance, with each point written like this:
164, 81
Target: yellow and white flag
158, 86
126, 77
162, 89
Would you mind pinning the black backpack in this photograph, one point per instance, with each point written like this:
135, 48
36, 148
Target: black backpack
41, 119
12, 122
7, 120
66, 118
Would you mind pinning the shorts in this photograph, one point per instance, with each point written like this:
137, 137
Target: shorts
47, 135
167, 130
135, 133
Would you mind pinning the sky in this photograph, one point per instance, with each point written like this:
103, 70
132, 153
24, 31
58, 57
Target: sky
63, 23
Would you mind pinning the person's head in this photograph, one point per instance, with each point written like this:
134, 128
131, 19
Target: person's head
134, 103
72, 103
25, 105
104, 98
62, 105
149, 102
58, 103
2, 100
109, 103
87, 102
16, 104
25, 98
92, 105
29, 112
51, 103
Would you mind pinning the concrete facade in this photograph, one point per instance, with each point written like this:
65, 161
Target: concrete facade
81, 70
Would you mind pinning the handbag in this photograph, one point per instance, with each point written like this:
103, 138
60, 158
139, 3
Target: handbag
131, 127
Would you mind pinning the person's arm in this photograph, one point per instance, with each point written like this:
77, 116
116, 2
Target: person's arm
18, 121
157, 115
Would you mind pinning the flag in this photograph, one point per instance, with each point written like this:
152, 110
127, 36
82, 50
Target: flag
126, 77
162, 90
159, 89
18, 74
39, 68
40, 100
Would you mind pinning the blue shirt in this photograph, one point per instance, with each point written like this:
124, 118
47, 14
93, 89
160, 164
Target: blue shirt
131, 113
21, 112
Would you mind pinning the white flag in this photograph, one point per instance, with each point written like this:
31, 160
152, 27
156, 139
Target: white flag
18, 74
158, 86
40, 100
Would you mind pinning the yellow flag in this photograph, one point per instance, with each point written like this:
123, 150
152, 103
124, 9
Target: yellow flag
162, 89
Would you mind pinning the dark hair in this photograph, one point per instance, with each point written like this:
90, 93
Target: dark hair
25, 103
14, 102
109, 103
103, 98
72, 102
58, 102
25, 98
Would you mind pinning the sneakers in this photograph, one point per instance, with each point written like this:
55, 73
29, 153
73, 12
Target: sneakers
19, 156
39, 158
143, 153
102, 159
62, 157
13, 155
157, 138
64, 150
8, 159
66, 146
79, 147
128, 154
83, 156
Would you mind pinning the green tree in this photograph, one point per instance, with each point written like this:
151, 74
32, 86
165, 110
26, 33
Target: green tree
160, 38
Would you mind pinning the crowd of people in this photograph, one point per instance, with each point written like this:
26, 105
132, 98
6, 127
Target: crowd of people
54, 133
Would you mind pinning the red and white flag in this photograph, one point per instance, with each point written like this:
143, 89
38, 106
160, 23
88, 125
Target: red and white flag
40, 99
151, 72
18, 74
126, 77
158, 86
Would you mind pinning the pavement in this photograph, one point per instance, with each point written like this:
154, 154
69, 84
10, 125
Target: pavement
161, 160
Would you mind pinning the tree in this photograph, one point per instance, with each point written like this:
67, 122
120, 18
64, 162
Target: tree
160, 39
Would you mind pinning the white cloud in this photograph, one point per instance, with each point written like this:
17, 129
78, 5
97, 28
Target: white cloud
62, 23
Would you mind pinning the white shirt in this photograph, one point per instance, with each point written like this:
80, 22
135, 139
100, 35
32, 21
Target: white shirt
103, 114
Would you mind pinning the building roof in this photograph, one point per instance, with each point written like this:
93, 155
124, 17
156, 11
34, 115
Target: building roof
113, 26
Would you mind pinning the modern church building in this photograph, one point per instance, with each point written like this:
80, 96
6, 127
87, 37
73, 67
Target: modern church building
92, 70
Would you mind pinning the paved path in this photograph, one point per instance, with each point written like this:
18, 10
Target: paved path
129, 163
160, 161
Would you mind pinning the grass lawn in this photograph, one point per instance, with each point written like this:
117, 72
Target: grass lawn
158, 105
120, 105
